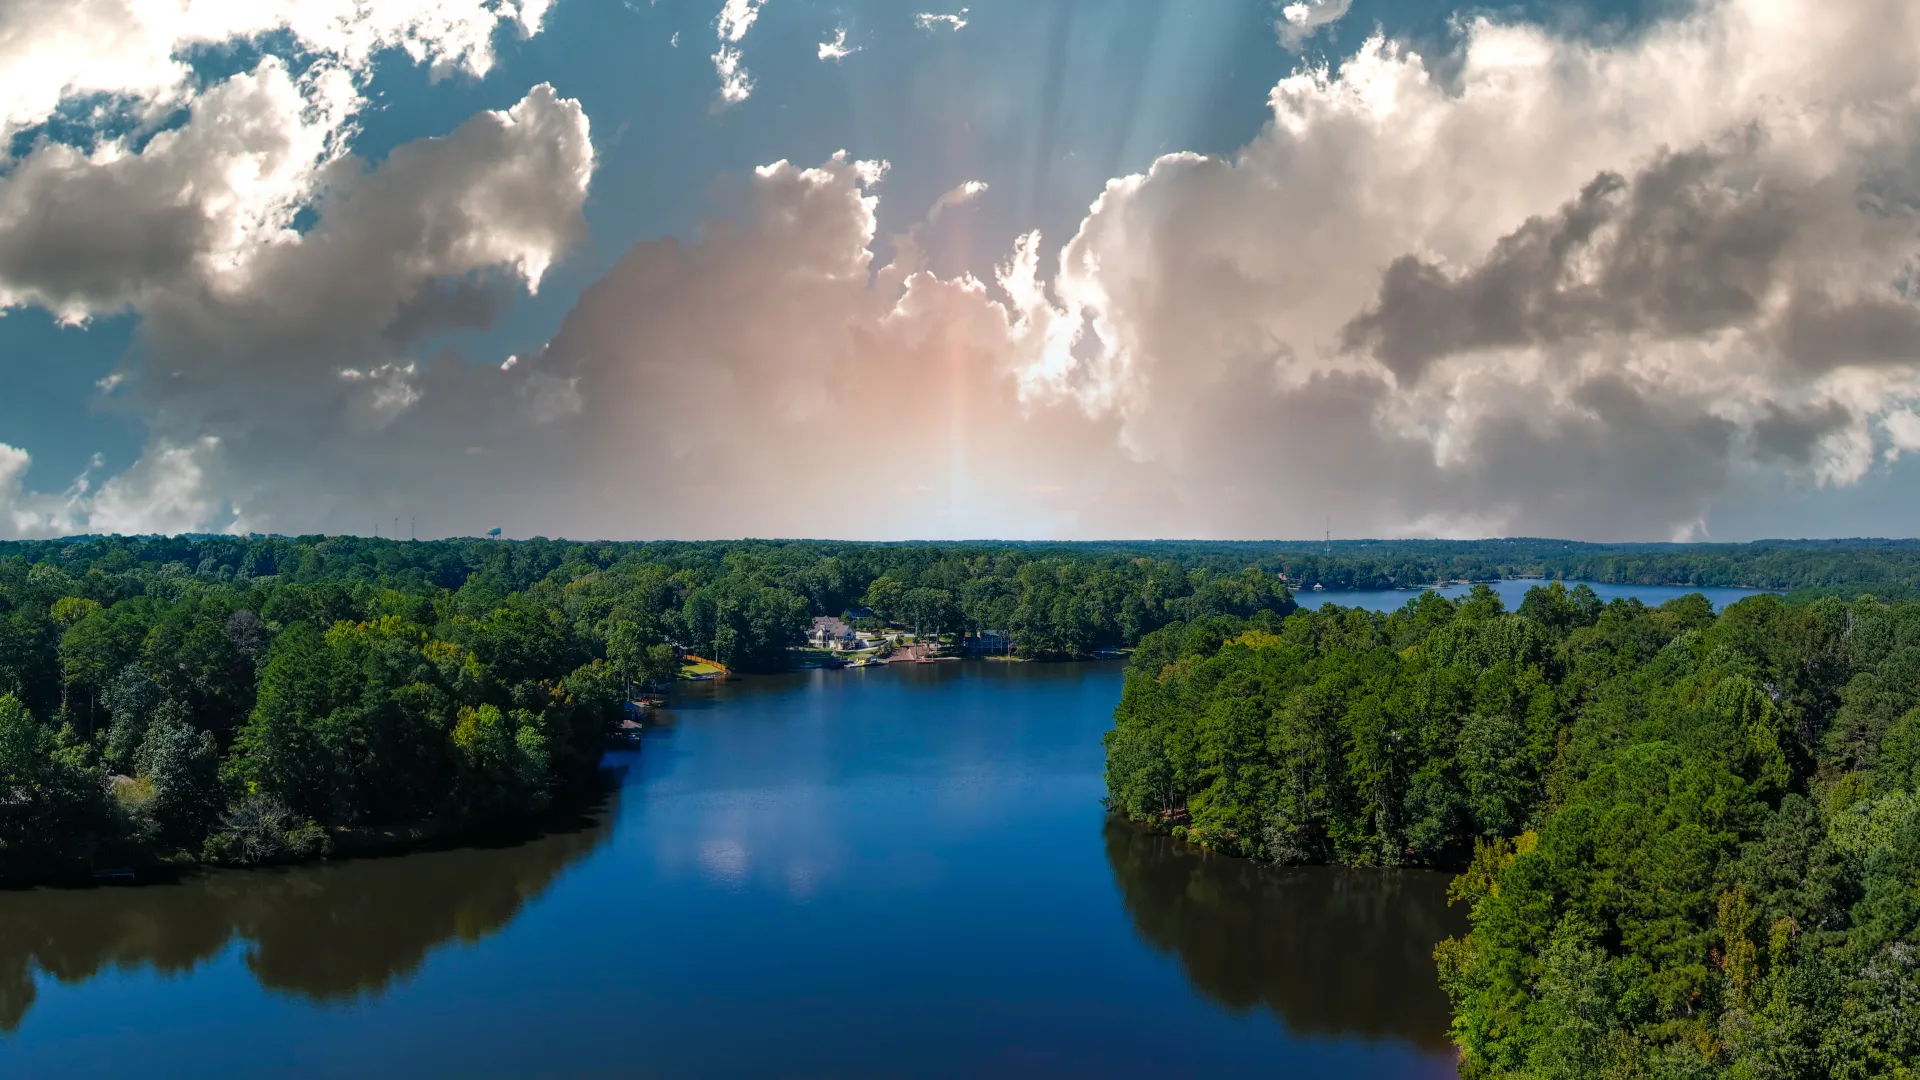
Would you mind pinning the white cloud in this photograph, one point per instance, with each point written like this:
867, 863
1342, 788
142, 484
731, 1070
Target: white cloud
1601, 290
837, 49
736, 85
1299, 19
191, 225
959, 196
1903, 431
24, 513
53, 51
927, 20
165, 492
1733, 277
736, 18
243, 379
502, 192
88, 232
1587, 289
97, 225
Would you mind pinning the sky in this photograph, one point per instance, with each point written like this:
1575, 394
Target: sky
1025, 269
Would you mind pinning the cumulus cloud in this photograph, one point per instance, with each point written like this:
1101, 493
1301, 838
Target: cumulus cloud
166, 491
25, 513
97, 225
735, 19
837, 49
1699, 243
249, 325
826, 360
314, 342
928, 20
736, 84
1299, 20
1572, 288
287, 379
84, 232
1569, 293
134, 52
738, 17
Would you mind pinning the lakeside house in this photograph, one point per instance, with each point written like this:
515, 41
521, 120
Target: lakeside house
992, 642
831, 633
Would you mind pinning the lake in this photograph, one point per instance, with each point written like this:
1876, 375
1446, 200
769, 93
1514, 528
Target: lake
834, 873
1513, 591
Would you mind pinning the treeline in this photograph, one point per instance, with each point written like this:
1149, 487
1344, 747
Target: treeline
246, 699
1892, 566
174, 719
1691, 843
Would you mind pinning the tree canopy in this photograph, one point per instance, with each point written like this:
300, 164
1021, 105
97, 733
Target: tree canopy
1690, 843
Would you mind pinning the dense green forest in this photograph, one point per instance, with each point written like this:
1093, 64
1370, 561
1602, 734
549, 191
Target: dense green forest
1691, 843
260, 699
1891, 566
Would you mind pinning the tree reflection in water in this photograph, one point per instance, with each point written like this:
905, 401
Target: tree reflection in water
330, 932
1332, 951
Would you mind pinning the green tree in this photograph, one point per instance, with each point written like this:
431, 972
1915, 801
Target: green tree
55, 817
182, 764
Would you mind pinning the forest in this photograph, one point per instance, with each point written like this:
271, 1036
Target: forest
165, 701
1688, 842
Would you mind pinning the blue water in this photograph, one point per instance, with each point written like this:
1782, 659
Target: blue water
842, 873
1512, 592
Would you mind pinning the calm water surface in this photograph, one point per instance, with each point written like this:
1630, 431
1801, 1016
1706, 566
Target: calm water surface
1514, 591
895, 872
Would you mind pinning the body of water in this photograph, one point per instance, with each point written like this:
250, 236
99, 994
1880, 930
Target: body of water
850, 873
1512, 592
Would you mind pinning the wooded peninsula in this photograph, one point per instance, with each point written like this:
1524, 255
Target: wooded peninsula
1690, 843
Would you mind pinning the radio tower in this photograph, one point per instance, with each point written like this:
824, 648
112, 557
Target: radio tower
1329, 540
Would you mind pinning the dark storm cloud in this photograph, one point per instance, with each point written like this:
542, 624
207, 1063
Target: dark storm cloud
1793, 434
1673, 252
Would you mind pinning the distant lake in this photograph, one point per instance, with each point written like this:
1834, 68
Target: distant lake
1512, 592
831, 874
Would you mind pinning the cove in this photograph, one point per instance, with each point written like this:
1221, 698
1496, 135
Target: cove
887, 872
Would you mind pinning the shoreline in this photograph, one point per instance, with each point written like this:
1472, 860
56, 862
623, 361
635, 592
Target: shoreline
351, 843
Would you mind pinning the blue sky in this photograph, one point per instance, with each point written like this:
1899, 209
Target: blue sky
1045, 101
